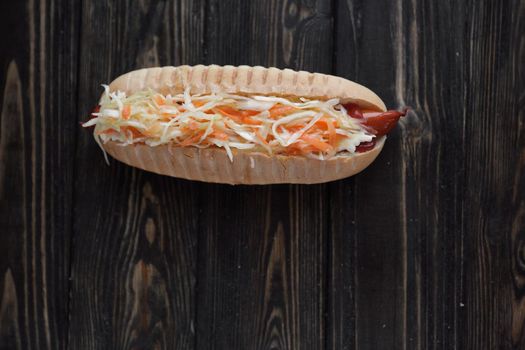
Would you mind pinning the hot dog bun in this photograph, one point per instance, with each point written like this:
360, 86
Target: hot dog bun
212, 164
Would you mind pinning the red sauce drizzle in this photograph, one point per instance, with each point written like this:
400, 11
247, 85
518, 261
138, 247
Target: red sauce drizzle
378, 125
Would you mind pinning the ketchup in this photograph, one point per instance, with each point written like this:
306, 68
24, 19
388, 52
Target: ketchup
382, 124
365, 146
354, 111
378, 125
91, 116
95, 110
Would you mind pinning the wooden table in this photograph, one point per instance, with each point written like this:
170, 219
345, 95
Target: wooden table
423, 250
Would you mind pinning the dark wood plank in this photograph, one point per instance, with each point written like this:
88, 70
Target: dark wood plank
37, 90
135, 232
368, 243
432, 219
13, 205
424, 250
261, 283
494, 197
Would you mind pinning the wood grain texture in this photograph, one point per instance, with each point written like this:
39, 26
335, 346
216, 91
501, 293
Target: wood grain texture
134, 250
493, 208
423, 250
261, 280
37, 87
368, 248
260, 285
427, 274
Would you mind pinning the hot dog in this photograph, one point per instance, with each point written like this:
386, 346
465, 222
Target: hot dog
241, 125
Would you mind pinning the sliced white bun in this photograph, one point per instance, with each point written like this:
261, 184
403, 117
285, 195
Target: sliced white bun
213, 164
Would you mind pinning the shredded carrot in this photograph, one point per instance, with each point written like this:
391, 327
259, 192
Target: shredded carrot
249, 112
167, 116
126, 111
325, 124
159, 100
259, 136
153, 130
294, 151
107, 132
218, 134
246, 114
331, 132
322, 124
134, 132
193, 125
321, 145
294, 128
231, 112
339, 138
239, 116
278, 110
321, 137
192, 139
251, 121
299, 149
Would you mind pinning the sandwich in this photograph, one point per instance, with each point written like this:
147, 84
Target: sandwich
241, 125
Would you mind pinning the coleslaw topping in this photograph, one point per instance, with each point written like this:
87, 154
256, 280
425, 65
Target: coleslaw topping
269, 124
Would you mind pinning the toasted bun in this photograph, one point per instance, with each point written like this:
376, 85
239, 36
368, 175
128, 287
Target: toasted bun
212, 164
245, 79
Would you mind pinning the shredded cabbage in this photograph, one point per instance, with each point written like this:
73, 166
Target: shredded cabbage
269, 124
